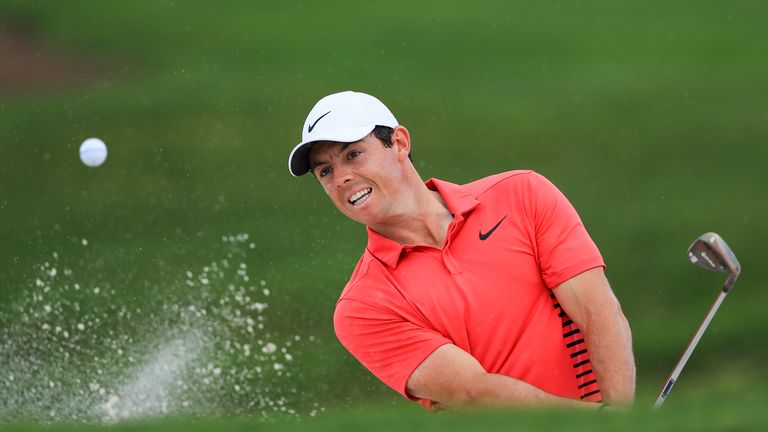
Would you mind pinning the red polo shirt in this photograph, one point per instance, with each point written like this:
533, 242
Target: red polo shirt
514, 236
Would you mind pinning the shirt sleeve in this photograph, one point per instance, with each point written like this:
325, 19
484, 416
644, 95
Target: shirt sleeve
564, 247
387, 344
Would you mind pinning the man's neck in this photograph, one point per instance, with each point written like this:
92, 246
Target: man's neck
425, 220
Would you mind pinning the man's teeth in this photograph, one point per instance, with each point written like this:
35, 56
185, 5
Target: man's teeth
360, 196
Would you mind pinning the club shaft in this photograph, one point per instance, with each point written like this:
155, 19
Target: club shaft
688, 351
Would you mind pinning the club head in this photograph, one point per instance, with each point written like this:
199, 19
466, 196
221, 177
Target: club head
712, 253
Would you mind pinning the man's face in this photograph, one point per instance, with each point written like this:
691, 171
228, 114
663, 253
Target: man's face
360, 178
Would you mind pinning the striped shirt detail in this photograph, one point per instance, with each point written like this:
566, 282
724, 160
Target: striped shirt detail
577, 349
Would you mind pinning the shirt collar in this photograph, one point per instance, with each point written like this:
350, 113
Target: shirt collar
459, 202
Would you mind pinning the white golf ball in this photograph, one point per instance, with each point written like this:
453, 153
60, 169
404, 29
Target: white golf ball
93, 152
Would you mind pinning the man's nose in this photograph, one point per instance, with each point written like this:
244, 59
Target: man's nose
343, 176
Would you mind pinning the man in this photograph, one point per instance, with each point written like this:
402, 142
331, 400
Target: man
487, 293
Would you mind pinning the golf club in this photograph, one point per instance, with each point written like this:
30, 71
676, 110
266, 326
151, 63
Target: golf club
712, 253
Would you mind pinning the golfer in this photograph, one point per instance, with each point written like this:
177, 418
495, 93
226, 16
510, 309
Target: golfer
488, 293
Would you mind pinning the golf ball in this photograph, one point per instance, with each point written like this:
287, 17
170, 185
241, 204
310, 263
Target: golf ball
93, 152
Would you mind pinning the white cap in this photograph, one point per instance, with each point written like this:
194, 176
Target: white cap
341, 117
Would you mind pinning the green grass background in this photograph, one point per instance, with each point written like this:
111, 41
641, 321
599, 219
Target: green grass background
651, 117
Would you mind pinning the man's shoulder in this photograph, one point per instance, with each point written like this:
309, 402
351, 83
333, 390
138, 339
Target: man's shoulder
478, 187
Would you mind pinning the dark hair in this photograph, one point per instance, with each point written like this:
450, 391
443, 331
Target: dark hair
384, 134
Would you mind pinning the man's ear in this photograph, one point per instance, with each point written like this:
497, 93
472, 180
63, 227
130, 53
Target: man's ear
401, 142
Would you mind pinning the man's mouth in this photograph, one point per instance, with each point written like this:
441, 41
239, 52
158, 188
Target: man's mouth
360, 197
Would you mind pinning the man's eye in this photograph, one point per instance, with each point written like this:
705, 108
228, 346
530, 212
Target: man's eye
325, 171
353, 154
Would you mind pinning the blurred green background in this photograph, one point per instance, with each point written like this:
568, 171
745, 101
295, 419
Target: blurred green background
651, 117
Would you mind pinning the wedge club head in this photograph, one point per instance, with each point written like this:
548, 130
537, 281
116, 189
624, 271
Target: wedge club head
712, 253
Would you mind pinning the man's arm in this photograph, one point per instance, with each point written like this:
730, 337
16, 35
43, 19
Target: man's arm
452, 376
589, 302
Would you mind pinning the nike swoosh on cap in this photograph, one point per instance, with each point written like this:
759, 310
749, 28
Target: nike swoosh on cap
488, 234
312, 126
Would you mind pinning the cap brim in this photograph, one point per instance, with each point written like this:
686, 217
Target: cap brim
298, 161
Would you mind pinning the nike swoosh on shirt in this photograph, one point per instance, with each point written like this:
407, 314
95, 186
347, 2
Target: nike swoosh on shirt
312, 126
488, 234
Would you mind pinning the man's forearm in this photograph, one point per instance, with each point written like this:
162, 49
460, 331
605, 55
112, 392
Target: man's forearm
609, 342
452, 376
501, 390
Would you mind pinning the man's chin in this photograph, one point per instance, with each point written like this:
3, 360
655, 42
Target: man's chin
360, 220
360, 217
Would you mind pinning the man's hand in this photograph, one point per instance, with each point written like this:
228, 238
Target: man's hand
452, 376
589, 302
